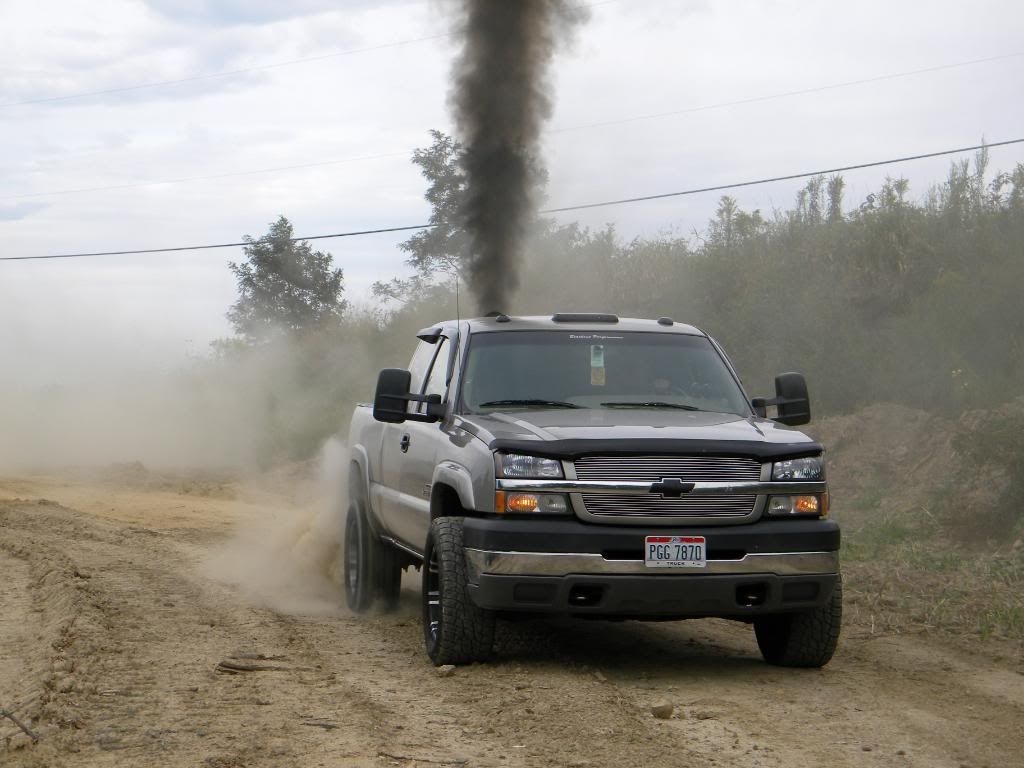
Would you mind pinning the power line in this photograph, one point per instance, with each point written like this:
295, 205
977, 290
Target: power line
787, 94
582, 126
214, 245
787, 177
562, 209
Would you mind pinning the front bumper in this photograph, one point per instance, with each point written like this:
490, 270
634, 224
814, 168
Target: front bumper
569, 567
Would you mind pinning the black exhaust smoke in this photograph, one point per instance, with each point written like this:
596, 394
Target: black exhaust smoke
500, 101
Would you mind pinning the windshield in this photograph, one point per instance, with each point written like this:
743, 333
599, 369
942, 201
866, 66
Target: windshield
564, 369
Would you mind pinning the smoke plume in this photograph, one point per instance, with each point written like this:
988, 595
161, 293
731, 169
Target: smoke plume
500, 101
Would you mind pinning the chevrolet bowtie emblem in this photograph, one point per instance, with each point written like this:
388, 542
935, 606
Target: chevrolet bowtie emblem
671, 487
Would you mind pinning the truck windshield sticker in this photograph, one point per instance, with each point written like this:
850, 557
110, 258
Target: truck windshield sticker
597, 377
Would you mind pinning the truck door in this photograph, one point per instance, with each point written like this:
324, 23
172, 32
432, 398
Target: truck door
416, 444
387, 494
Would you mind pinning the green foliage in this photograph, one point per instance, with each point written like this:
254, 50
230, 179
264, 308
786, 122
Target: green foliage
284, 286
441, 253
438, 252
892, 300
991, 447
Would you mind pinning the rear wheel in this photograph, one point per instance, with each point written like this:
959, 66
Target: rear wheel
373, 570
802, 639
455, 630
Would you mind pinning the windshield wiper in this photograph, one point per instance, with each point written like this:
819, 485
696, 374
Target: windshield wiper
527, 403
650, 404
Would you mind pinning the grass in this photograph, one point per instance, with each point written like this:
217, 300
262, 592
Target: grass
905, 572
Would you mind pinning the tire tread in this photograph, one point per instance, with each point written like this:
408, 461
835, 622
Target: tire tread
805, 639
466, 634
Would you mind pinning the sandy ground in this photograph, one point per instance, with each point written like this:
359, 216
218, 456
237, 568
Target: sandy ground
138, 629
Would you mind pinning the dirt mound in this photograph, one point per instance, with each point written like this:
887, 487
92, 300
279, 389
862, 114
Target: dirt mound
191, 482
987, 490
886, 457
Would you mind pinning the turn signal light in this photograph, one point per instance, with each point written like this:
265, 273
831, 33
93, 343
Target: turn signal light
536, 503
805, 505
786, 506
521, 502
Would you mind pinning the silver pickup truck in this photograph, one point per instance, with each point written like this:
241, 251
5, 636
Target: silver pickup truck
595, 467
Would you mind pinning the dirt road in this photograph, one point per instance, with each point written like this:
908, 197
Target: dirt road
124, 641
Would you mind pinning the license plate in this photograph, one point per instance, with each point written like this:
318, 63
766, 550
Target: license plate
675, 552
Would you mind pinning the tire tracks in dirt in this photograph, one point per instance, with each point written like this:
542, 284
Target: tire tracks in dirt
118, 628
141, 685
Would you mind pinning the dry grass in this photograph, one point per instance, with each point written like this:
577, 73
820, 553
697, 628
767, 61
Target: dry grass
933, 538
905, 572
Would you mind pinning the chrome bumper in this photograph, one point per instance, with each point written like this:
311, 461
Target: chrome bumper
481, 561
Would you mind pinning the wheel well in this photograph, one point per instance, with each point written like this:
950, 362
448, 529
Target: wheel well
444, 501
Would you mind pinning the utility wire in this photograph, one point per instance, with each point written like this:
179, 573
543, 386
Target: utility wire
553, 131
563, 209
788, 177
787, 94
216, 245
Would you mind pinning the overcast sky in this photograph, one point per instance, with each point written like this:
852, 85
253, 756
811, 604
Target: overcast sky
84, 150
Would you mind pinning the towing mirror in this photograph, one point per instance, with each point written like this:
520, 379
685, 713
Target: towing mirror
791, 400
391, 401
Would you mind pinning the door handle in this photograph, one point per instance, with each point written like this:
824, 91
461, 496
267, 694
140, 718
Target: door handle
404, 443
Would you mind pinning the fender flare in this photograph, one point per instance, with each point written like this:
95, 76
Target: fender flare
361, 472
458, 478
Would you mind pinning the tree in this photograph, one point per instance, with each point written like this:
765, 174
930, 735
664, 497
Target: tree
835, 199
441, 252
442, 247
284, 286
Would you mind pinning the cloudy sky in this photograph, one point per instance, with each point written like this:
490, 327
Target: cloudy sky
150, 123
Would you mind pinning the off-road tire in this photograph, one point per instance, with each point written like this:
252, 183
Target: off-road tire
455, 630
359, 591
372, 569
806, 639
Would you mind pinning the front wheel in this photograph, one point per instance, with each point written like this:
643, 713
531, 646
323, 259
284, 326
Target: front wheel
802, 639
455, 630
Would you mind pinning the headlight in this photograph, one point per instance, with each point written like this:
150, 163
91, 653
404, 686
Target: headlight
520, 465
812, 468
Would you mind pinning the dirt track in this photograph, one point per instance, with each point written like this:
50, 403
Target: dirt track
117, 644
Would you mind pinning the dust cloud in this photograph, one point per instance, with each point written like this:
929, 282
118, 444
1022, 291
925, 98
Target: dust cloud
254, 408
99, 414
160, 419
500, 100
290, 562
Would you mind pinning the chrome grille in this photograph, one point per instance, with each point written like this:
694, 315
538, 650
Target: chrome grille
653, 469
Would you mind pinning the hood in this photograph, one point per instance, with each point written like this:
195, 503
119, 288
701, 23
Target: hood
568, 433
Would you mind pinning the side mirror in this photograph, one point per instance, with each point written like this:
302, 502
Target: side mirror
791, 400
390, 402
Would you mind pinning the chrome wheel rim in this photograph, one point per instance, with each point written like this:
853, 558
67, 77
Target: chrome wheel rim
352, 554
432, 598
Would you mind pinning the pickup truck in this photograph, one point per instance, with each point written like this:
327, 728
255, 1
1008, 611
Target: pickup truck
590, 466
